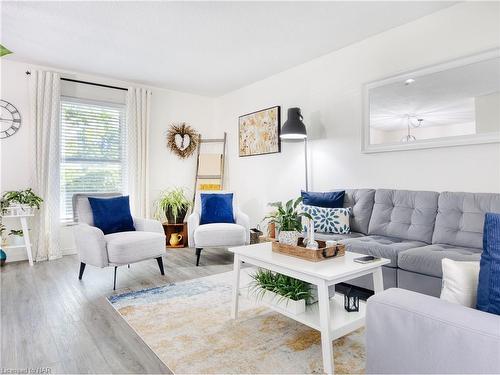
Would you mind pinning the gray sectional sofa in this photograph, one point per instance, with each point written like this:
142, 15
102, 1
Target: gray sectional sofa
415, 230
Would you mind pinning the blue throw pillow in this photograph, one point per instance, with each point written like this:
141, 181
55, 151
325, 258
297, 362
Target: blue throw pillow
216, 208
331, 199
488, 288
112, 215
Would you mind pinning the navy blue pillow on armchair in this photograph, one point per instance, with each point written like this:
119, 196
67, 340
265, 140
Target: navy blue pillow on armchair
216, 208
488, 289
112, 215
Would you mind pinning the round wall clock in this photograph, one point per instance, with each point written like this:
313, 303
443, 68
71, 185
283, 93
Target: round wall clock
10, 119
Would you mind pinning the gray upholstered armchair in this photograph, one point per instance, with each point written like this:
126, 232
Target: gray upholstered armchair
115, 249
220, 235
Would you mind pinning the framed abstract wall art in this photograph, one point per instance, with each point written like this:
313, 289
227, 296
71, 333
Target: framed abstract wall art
259, 132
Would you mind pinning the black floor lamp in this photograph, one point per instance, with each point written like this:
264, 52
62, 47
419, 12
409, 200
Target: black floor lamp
294, 128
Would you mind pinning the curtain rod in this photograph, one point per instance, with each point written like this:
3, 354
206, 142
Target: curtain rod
94, 84
87, 83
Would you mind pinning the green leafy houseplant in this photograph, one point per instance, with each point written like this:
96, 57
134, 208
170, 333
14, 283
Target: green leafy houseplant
288, 220
172, 205
286, 287
22, 197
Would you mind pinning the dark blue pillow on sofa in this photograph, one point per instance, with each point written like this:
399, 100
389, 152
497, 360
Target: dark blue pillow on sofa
112, 215
488, 288
216, 208
330, 199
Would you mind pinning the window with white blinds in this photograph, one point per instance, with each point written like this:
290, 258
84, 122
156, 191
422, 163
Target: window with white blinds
93, 150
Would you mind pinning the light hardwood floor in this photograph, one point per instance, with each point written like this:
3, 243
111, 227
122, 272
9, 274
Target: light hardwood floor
51, 319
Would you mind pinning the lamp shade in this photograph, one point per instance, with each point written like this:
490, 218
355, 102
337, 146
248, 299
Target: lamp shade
293, 128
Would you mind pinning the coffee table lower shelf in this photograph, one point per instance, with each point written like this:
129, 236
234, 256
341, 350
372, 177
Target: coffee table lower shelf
341, 321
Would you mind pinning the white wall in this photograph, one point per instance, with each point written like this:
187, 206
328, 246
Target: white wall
329, 92
167, 106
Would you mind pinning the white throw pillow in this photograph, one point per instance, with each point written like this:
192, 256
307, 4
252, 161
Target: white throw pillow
460, 282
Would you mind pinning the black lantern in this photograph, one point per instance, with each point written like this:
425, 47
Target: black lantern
351, 301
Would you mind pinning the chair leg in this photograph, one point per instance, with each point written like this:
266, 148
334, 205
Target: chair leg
198, 254
114, 280
160, 265
82, 269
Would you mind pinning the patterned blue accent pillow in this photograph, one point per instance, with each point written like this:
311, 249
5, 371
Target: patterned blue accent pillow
488, 288
329, 220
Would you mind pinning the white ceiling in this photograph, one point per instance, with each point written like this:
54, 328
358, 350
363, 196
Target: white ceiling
207, 48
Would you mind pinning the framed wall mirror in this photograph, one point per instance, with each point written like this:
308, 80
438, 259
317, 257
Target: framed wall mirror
450, 104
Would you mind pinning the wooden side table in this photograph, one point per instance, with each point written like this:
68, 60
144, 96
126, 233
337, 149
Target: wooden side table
176, 228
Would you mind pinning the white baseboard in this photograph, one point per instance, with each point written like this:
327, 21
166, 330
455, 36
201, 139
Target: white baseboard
17, 255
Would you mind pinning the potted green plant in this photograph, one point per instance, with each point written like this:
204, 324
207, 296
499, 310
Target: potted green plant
281, 291
288, 220
19, 202
172, 205
17, 238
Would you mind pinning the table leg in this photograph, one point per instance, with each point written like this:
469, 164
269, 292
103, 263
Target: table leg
236, 286
378, 280
326, 337
27, 241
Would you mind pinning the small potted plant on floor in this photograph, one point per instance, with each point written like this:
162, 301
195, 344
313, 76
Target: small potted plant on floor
172, 205
16, 237
288, 220
280, 290
20, 202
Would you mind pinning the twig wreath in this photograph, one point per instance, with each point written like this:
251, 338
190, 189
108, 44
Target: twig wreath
182, 139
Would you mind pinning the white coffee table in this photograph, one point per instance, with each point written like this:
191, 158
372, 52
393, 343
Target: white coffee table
328, 315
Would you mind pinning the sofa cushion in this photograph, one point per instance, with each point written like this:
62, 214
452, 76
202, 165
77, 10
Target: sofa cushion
130, 247
381, 246
427, 260
361, 201
219, 234
460, 218
337, 237
405, 214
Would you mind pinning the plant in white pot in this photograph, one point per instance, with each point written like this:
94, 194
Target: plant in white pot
280, 290
20, 202
16, 237
288, 220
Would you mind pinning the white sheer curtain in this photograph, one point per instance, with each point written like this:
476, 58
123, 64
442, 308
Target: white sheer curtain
138, 122
45, 93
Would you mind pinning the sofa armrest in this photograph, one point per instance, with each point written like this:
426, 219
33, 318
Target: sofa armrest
193, 223
148, 225
408, 332
243, 220
91, 245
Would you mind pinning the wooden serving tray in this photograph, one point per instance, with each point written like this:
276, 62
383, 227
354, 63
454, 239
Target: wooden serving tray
313, 255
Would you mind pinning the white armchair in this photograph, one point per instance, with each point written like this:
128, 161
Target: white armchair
219, 235
115, 249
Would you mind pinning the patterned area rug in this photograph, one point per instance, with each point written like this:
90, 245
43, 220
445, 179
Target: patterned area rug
189, 327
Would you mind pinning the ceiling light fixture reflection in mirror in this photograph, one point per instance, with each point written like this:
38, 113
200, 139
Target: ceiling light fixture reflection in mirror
450, 104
